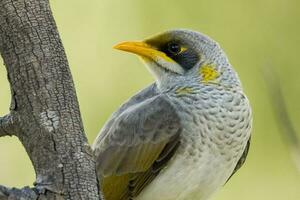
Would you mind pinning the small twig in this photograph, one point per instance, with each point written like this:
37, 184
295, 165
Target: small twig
25, 193
284, 122
7, 126
4, 192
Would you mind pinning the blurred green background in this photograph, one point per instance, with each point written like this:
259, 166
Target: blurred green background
254, 34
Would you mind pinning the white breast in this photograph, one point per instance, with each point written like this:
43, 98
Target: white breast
186, 178
213, 140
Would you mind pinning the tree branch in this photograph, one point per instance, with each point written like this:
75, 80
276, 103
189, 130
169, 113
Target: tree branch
7, 126
4, 192
44, 108
13, 194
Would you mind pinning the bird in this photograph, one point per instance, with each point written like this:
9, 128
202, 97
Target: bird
184, 135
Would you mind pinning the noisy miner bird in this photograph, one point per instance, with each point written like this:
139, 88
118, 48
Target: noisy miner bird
185, 135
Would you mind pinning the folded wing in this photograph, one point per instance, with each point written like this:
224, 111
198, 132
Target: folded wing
135, 145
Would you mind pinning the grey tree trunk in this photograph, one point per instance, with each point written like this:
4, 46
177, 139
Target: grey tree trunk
44, 112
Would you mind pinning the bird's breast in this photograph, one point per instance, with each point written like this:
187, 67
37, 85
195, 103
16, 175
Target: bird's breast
190, 175
214, 135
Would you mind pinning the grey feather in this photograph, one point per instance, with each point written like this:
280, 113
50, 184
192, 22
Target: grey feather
241, 160
137, 141
134, 139
136, 134
146, 93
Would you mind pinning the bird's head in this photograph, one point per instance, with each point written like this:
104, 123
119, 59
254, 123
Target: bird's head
184, 58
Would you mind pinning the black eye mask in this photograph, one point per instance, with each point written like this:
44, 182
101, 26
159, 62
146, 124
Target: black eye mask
185, 58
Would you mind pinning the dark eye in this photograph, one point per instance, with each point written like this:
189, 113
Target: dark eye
174, 48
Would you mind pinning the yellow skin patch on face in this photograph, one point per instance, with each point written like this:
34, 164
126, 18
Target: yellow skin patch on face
184, 90
208, 73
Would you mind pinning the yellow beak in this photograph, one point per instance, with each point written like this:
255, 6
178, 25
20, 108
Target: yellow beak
143, 49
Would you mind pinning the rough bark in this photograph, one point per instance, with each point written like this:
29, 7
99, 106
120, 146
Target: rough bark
44, 112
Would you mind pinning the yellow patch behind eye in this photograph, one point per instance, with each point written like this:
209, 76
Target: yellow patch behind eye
208, 73
182, 49
184, 90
